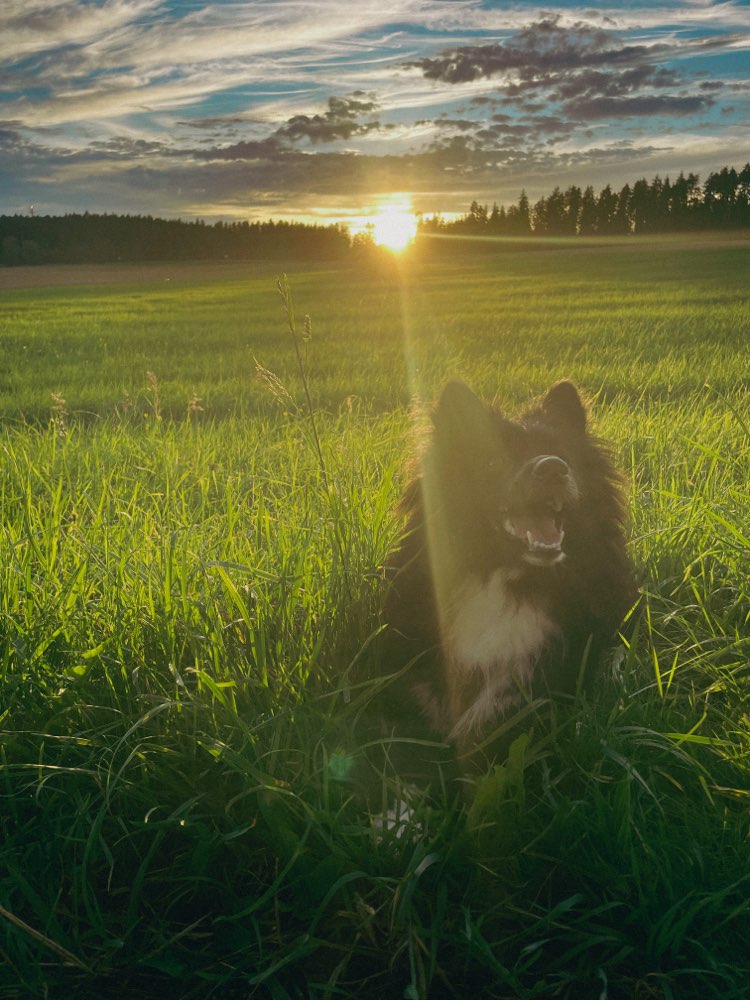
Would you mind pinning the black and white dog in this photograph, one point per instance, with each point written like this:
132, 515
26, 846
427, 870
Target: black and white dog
513, 575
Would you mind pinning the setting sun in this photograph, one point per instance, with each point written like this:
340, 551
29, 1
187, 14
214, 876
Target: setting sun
394, 228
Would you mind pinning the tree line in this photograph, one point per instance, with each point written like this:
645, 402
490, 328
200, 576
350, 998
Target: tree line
96, 239
661, 206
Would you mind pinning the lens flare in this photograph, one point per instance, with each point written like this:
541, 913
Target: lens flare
394, 228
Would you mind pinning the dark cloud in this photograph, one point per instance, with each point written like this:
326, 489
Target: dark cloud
614, 107
273, 161
543, 47
8, 136
17, 149
462, 124
501, 133
263, 177
253, 150
214, 122
582, 70
340, 121
614, 84
125, 147
482, 100
549, 125
619, 154
277, 157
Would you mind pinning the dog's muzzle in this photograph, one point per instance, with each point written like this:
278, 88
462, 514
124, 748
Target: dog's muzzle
540, 495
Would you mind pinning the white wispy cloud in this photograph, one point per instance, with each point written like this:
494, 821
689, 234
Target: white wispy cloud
122, 58
36, 26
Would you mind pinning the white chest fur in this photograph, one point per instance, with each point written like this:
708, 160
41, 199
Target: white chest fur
492, 633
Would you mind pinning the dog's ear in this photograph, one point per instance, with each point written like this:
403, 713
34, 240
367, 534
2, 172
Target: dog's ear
460, 415
562, 405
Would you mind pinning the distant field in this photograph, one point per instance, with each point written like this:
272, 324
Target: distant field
61, 275
639, 318
187, 595
58, 275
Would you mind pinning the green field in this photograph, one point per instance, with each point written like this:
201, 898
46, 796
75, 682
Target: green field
191, 584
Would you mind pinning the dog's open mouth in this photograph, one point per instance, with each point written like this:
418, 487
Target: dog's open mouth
541, 532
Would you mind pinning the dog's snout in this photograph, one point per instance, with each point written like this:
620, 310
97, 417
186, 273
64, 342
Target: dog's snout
545, 480
550, 469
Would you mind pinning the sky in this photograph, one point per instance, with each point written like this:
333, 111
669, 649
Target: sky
328, 110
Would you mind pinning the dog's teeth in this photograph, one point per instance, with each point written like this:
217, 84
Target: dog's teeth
544, 546
533, 544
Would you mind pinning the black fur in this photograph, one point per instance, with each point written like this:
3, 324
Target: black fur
491, 502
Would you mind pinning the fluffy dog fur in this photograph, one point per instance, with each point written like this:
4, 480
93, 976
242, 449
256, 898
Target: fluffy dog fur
513, 575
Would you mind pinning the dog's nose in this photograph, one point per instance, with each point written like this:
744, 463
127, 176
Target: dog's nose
550, 469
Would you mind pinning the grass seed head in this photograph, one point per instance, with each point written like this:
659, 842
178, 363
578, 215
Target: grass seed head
59, 418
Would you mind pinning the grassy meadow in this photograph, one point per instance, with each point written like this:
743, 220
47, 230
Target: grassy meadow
190, 583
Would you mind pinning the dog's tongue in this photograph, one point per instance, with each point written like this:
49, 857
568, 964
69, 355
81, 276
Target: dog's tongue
538, 530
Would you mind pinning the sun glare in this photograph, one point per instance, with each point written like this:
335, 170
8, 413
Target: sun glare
394, 228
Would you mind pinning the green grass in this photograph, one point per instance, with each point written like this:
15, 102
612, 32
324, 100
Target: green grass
670, 317
187, 597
